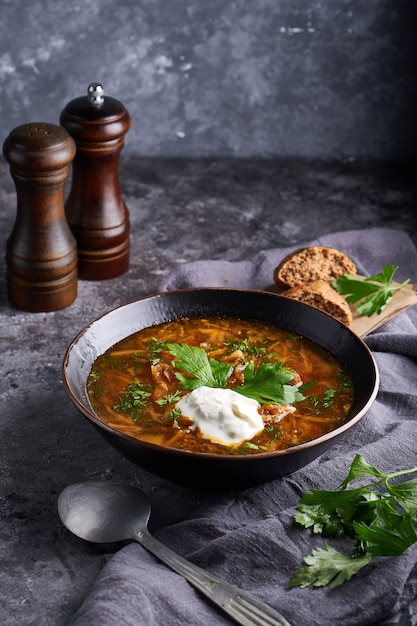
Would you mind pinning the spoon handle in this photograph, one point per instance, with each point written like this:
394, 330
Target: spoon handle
242, 607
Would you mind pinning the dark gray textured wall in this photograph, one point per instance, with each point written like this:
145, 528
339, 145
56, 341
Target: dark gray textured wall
264, 78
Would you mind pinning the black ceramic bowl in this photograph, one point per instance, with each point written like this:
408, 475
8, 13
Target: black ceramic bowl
214, 471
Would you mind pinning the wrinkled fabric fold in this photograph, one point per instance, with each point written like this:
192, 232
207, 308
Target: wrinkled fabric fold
247, 537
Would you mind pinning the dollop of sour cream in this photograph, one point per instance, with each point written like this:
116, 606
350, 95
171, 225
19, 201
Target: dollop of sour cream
222, 415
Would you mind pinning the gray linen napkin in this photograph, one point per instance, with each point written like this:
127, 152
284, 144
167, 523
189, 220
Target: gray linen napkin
247, 537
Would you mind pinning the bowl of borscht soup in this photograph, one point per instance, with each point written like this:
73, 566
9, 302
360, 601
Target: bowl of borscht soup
218, 388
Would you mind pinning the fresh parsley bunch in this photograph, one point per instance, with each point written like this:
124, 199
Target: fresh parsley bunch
379, 516
374, 292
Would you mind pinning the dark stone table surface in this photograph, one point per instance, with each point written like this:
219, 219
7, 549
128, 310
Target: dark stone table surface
180, 211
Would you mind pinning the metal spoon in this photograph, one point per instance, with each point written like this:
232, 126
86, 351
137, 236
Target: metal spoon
106, 512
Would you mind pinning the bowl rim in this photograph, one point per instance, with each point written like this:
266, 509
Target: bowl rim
95, 420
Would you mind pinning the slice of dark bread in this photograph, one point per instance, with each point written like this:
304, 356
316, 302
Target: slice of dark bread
313, 263
320, 294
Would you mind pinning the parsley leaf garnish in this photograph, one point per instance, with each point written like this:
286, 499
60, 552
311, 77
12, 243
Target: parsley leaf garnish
200, 369
133, 398
267, 384
169, 398
375, 292
379, 516
155, 348
247, 346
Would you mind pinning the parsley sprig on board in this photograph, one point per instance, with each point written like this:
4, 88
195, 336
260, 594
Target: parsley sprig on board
375, 292
268, 383
379, 516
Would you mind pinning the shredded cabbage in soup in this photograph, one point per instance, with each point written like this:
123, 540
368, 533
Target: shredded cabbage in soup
139, 385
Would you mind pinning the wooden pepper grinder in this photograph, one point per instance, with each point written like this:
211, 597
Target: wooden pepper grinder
41, 252
95, 208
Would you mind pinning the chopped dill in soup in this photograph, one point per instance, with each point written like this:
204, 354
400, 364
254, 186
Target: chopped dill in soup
220, 385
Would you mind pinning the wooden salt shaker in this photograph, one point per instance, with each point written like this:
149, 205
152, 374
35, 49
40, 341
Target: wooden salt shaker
41, 251
95, 209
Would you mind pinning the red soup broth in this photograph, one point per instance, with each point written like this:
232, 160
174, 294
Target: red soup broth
133, 387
